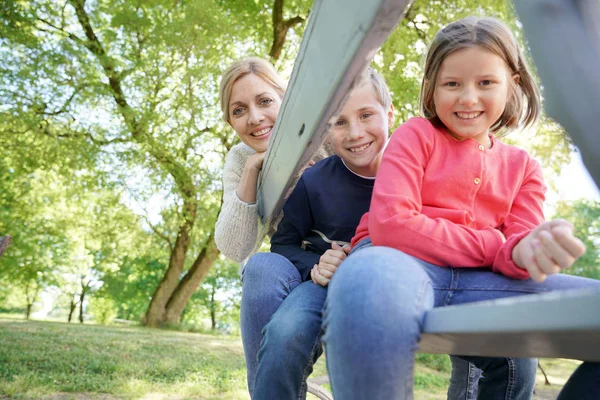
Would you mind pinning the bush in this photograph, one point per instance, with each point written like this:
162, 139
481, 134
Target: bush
104, 311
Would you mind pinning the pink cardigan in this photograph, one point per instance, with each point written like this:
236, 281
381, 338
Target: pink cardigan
441, 200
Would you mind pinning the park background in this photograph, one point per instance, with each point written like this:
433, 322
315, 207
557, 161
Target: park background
110, 184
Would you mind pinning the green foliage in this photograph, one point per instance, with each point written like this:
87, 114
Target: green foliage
585, 217
98, 129
218, 298
103, 310
437, 362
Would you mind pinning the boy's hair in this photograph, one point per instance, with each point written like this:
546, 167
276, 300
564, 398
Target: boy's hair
523, 103
251, 65
381, 89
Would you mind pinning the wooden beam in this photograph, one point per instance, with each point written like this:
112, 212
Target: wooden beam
564, 36
560, 324
340, 40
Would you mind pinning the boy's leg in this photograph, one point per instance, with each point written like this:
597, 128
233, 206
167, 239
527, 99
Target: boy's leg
373, 318
464, 380
291, 344
267, 279
584, 384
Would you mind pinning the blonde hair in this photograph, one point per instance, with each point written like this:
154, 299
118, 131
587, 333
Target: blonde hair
251, 65
523, 103
381, 89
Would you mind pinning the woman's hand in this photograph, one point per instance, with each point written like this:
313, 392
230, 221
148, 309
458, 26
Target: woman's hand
547, 249
255, 161
246, 191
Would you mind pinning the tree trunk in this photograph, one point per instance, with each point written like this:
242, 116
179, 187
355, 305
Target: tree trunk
30, 298
213, 310
72, 307
281, 28
190, 282
84, 287
155, 316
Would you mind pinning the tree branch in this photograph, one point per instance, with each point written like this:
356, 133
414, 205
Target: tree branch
281, 28
57, 29
108, 65
158, 232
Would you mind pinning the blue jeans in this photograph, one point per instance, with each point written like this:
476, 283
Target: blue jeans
516, 374
374, 312
267, 279
291, 345
291, 315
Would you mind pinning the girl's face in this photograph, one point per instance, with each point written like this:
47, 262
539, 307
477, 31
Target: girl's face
471, 93
253, 109
360, 133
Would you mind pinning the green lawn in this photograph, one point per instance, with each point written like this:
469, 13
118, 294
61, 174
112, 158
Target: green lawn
55, 360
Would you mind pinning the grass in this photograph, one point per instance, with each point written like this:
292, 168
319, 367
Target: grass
52, 360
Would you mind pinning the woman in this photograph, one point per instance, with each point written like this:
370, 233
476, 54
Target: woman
251, 92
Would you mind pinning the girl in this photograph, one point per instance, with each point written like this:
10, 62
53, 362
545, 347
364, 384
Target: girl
456, 217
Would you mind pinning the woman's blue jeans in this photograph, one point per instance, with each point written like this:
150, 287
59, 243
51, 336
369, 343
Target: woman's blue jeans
374, 312
267, 279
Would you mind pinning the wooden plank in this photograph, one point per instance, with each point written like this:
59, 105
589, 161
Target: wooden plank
564, 36
561, 324
340, 39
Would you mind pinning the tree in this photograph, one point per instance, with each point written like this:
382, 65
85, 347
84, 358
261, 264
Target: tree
148, 68
585, 217
219, 294
127, 91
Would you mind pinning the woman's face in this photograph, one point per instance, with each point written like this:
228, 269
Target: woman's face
253, 109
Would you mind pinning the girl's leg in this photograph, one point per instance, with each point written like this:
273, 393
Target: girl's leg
267, 279
373, 316
291, 344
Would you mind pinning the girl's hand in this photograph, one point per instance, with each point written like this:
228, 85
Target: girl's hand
322, 273
547, 249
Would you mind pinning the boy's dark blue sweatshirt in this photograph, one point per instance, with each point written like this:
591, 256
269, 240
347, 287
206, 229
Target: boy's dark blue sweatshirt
326, 205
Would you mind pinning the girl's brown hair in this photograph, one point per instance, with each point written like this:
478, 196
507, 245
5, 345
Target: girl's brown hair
251, 65
523, 104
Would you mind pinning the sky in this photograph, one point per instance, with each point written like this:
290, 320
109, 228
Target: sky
573, 183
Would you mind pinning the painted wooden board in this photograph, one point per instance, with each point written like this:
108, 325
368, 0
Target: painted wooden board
340, 39
565, 325
564, 36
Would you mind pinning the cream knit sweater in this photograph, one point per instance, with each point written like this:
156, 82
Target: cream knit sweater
236, 231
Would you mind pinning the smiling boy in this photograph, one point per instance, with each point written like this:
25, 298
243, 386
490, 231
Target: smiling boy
320, 218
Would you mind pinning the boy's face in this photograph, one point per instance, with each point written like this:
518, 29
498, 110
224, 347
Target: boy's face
360, 133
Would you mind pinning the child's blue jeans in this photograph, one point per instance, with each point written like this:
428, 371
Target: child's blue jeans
374, 312
291, 340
